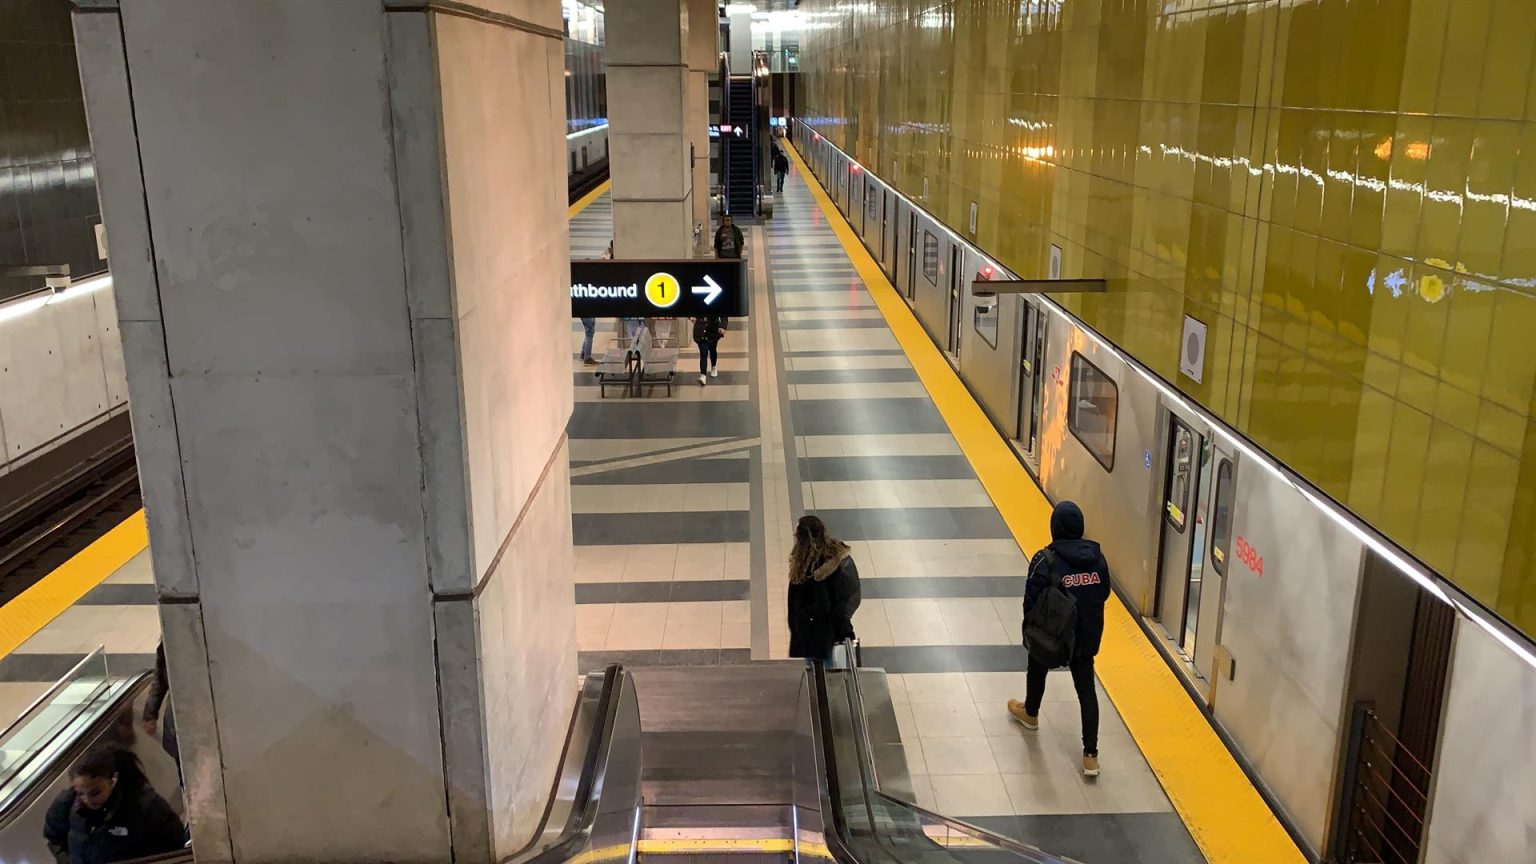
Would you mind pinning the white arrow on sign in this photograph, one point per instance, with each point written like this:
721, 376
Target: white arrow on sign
713, 289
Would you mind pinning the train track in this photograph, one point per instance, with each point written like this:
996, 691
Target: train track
45, 528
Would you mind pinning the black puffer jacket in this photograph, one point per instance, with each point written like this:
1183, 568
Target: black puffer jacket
1084, 572
709, 328
821, 607
135, 823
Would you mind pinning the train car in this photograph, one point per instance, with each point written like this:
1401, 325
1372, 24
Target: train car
1306, 636
586, 159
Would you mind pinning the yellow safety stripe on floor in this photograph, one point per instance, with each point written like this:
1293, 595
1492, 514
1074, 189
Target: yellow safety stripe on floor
583, 201
30, 611
1224, 813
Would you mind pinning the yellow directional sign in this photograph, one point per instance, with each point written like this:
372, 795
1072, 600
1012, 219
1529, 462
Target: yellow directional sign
662, 290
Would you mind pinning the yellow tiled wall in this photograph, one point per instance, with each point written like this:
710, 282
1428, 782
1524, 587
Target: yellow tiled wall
1343, 190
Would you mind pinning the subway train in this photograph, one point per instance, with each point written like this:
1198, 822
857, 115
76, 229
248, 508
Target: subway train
586, 159
1366, 695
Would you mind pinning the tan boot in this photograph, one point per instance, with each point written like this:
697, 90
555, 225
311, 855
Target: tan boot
1090, 765
1023, 717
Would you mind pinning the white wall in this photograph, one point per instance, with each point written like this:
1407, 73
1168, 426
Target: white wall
1485, 775
61, 372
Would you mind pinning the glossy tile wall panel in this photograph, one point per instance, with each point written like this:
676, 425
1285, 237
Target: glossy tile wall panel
48, 206
1344, 191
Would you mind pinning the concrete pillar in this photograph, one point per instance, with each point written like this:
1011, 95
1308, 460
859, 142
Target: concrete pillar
350, 418
648, 132
741, 43
703, 64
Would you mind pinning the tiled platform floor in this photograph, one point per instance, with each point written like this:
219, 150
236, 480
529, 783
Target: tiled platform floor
819, 412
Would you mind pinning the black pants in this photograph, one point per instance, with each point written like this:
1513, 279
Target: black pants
709, 354
1087, 696
781, 175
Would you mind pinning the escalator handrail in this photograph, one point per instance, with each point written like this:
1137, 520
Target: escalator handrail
584, 809
834, 826
77, 748
1024, 850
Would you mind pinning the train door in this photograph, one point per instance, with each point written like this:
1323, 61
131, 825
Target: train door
888, 234
911, 255
1032, 379
1189, 577
956, 298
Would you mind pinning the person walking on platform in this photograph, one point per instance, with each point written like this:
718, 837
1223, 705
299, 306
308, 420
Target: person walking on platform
707, 333
728, 240
589, 327
1064, 623
823, 592
780, 167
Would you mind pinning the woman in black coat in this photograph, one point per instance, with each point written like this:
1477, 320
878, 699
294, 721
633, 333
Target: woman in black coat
110, 812
823, 591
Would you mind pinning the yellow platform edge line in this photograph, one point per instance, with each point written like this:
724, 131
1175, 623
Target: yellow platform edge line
32, 609
585, 200
1224, 813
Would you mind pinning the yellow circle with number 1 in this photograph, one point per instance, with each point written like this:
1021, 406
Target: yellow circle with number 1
662, 290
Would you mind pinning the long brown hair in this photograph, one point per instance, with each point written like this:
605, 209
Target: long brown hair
813, 545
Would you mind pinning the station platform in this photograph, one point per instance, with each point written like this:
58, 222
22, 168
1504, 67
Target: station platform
684, 509
827, 402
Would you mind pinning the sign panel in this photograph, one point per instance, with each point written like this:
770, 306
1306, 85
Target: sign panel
655, 289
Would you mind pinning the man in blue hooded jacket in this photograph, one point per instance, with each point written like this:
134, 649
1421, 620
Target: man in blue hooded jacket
1084, 573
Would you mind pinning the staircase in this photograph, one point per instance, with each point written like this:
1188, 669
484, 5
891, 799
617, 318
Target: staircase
740, 152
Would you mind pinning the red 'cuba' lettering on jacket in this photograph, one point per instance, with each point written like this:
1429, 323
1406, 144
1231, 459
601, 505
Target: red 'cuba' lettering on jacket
1077, 579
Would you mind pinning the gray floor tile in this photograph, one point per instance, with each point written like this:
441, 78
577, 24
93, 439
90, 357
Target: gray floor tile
588, 661
659, 417
944, 586
117, 594
865, 416
673, 471
850, 376
829, 468
844, 324
661, 592
612, 529
916, 523
1122, 838
903, 659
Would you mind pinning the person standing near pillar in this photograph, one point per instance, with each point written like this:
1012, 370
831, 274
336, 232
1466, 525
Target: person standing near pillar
728, 240
707, 333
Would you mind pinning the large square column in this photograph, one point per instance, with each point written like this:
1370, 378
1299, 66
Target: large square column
340, 252
648, 134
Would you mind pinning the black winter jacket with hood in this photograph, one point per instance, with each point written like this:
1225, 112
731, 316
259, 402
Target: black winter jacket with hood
1084, 573
821, 607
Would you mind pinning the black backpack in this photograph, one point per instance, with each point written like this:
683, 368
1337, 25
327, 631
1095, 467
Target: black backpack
1050, 626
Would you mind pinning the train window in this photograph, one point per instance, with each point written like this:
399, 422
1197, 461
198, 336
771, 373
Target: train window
1180, 463
1095, 403
986, 322
931, 257
1221, 520
871, 198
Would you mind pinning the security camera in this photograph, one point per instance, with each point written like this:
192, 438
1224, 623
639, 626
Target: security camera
986, 302
57, 283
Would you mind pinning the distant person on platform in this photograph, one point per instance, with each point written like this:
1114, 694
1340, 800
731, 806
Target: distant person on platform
728, 239
780, 167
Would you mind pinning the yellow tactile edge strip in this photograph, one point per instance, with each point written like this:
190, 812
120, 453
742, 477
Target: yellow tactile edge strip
1224, 813
32, 609
30, 612
583, 201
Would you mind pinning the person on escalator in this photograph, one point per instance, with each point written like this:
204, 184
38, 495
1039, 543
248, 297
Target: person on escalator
823, 592
110, 812
152, 719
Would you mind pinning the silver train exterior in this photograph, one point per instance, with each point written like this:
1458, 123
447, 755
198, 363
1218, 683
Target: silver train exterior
1283, 614
586, 154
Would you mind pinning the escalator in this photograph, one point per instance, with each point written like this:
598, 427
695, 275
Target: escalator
760, 763
770, 762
